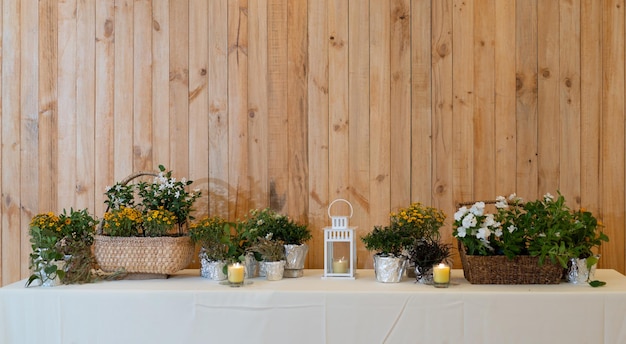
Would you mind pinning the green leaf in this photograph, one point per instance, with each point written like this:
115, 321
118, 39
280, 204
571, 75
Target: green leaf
597, 283
31, 279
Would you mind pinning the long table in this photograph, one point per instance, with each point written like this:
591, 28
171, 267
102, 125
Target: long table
189, 309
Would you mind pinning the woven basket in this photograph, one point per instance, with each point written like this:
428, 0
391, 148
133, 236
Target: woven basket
142, 255
502, 270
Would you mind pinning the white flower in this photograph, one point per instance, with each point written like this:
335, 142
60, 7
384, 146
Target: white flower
511, 228
177, 194
478, 208
196, 190
183, 180
512, 197
460, 213
469, 221
461, 232
548, 197
498, 232
118, 187
260, 222
107, 189
489, 221
501, 202
483, 233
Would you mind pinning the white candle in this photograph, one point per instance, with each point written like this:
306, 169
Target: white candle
235, 273
441, 274
340, 266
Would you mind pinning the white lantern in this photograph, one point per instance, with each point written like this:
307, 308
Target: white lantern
339, 246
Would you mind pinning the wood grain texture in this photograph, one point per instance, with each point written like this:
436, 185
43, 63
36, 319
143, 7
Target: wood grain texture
291, 104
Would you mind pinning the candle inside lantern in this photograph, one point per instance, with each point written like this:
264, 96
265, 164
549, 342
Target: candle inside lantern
235, 273
340, 266
441, 275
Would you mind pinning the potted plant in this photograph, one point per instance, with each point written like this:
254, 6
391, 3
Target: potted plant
422, 223
61, 248
293, 234
272, 251
213, 234
146, 222
425, 253
587, 237
542, 234
388, 243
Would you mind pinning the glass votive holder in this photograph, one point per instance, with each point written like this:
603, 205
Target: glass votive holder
340, 266
236, 274
441, 275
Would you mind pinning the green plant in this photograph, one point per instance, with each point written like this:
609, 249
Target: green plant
214, 235
427, 252
270, 249
419, 221
65, 238
389, 240
544, 228
165, 192
260, 223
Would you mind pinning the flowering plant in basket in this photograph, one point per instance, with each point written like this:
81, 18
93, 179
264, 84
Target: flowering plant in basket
544, 228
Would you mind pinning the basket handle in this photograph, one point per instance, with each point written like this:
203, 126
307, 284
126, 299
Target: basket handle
343, 200
100, 228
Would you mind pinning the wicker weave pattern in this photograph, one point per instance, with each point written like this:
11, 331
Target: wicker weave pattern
502, 270
158, 255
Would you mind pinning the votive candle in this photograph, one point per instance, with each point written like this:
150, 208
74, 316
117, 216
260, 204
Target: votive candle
340, 266
441, 275
235, 273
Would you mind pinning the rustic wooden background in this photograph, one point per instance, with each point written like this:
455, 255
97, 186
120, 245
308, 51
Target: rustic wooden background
292, 104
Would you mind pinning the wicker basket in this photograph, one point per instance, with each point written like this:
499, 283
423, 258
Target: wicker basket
502, 270
142, 255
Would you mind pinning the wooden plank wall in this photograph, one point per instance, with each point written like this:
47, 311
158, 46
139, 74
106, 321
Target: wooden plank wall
291, 104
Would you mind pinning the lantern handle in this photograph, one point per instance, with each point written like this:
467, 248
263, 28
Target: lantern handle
343, 200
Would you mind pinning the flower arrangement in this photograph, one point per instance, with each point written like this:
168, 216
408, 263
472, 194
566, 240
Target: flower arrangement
271, 249
419, 220
214, 236
148, 208
546, 228
61, 247
260, 223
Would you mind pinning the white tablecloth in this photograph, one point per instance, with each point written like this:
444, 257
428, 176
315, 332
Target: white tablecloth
189, 309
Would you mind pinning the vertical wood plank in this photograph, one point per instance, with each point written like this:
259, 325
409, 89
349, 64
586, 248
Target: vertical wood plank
179, 87
338, 154
442, 101
318, 130
465, 147
142, 81
199, 101
358, 118
67, 124
569, 95
380, 123
258, 117
613, 149
29, 158
548, 109
278, 162
296, 109
10, 137
400, 68
505, 85
85, 104
526, 108
238, 107
218, 108
591, 104
160, 82
104, 102
421, 106
484, 100
124, 89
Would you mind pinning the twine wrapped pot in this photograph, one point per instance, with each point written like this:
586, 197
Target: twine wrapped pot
502, 270
142, 255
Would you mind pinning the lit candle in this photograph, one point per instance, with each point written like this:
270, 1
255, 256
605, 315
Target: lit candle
340, 266
441, 275
235, 273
